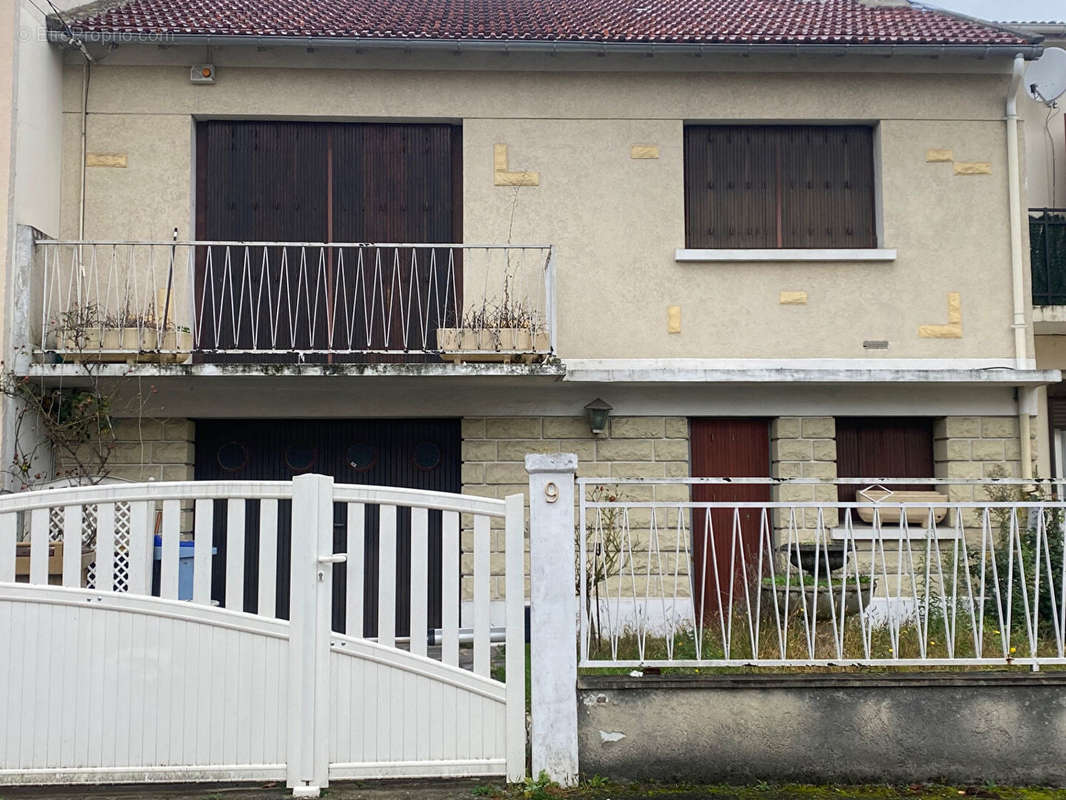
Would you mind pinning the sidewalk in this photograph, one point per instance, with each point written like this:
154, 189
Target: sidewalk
595, 790
377, 790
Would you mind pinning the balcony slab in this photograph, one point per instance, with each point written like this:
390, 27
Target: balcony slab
808, 371
983, 372
551, 369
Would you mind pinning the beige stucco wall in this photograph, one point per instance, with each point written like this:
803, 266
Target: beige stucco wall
8, 14
39, 124
1051, 352
616, 221
31, 124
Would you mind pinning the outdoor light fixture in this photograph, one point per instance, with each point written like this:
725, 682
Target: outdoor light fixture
596, 413
202, 73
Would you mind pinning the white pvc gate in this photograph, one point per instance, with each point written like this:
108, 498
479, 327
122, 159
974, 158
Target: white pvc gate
114, 684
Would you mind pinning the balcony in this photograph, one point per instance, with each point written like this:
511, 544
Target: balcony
1047, 256
182, 304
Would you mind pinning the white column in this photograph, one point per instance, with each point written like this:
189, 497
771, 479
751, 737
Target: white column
310, 596
553, 623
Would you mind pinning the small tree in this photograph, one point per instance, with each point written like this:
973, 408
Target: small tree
70, 428
603, 540
74, 427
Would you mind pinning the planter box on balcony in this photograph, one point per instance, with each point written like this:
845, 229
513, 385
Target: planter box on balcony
491, 344
115, 345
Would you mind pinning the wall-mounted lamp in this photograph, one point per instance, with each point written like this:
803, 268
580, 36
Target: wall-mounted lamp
596, 413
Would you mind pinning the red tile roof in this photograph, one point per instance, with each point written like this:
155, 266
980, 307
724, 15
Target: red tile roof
692, 21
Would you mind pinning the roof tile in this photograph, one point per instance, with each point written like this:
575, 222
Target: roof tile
690, 21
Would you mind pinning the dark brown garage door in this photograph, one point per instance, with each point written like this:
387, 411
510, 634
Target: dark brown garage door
415, 454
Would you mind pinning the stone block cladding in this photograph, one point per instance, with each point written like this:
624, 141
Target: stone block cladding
494, 451
151, 449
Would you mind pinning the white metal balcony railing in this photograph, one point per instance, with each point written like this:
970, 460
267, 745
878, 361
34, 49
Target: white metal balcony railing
895, 578
122, 301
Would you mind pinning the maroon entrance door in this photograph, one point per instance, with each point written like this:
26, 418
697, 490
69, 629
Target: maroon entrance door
726, 448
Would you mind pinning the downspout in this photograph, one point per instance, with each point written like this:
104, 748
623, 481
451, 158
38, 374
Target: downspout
84, 146
1026, 395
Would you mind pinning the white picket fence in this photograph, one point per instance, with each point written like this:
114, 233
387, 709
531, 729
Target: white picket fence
116, 683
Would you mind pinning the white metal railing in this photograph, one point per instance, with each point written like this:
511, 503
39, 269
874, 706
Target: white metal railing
953, 572
120, 301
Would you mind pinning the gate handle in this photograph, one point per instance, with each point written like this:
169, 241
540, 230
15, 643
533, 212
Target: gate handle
335, 558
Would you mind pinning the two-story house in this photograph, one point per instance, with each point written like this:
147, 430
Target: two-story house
410, 243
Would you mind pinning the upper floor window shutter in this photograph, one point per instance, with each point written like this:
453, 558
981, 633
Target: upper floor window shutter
779, 186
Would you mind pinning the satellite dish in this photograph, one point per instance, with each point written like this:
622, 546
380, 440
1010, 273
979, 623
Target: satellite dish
1045, 78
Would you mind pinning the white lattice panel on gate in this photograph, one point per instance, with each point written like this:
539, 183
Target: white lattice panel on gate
88, 541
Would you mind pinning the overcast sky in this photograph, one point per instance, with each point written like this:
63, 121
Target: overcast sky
1007, 10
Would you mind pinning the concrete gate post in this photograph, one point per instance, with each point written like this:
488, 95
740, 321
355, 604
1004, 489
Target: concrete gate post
553, 616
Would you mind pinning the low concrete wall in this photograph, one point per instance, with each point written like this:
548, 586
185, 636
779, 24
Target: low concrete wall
972, 727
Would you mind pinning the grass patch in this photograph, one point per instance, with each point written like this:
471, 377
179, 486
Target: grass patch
499, 673
803, 636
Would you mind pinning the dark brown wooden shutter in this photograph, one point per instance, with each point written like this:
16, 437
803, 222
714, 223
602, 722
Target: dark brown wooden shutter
885, 447
271, 181
1056, 407
729, 187
394, 183
324, 182
256, 181
752, 186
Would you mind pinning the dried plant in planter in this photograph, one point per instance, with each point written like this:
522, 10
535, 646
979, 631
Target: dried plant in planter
500, 331
89, 335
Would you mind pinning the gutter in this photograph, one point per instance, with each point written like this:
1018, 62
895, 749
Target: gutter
1045, 29
1028, 51
1017, 266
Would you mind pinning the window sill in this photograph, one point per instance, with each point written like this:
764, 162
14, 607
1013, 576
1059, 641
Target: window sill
891, 532
813, 254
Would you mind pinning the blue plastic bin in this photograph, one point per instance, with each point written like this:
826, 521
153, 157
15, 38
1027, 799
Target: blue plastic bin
185, 565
